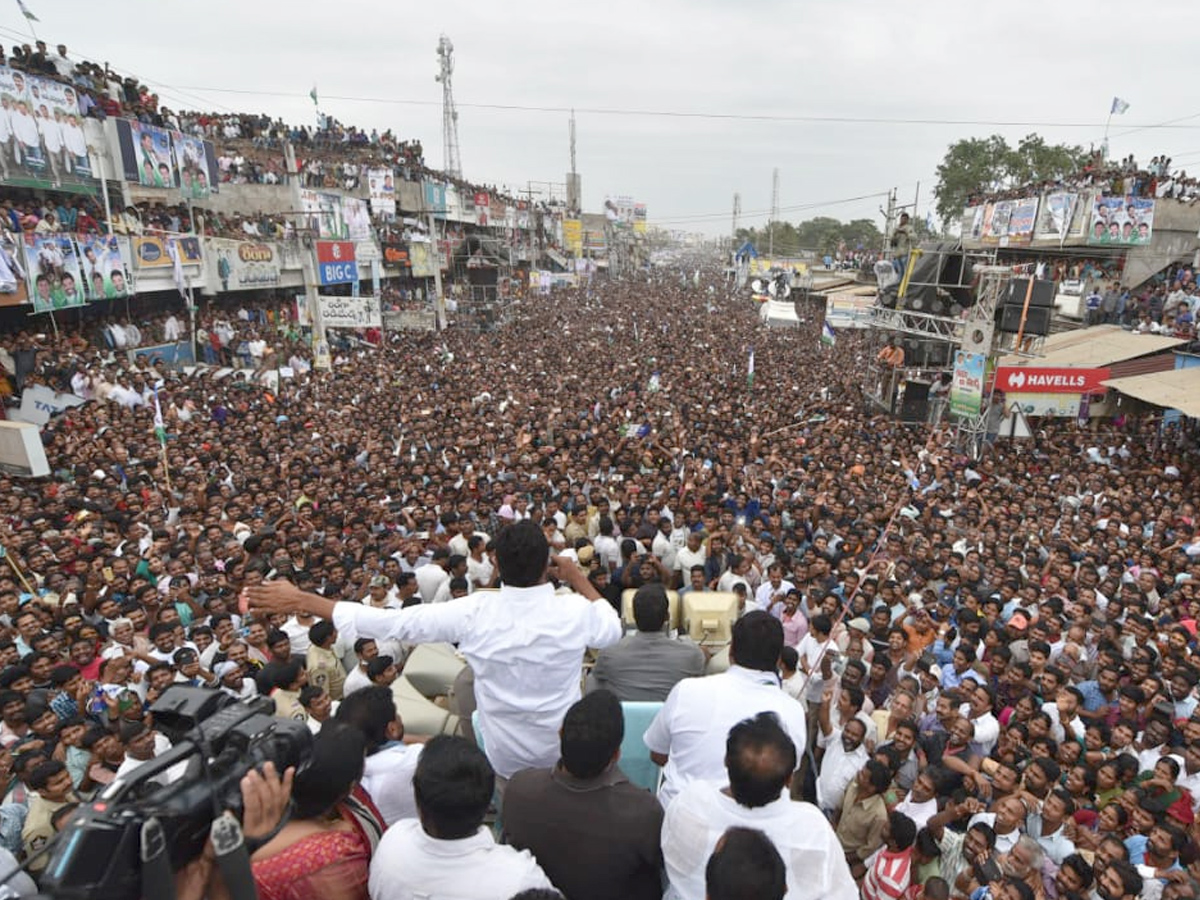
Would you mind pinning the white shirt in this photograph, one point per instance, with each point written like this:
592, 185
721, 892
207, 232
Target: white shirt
526, 648
387, 777
810, 650
429, 579
694, 722
410, 865
920, 813
356, 680
816, 865
838, 768
765, 592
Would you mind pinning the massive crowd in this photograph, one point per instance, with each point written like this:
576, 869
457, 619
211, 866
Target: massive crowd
979, 676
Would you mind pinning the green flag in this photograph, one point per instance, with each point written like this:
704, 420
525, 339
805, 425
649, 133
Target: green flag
313, 94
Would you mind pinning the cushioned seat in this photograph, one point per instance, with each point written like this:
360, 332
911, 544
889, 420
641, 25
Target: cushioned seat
432, 668
635, 755
419, 714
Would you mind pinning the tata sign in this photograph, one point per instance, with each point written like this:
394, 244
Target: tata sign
335, 262
1031, 380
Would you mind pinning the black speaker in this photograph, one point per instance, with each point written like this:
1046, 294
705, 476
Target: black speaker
915, 406
1043, 292
1037, 319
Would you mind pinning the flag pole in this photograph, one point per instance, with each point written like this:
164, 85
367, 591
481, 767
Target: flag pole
17, 570
30, 18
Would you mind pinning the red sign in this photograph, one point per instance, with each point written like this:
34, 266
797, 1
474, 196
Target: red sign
1033, 380
481, 198
335, 251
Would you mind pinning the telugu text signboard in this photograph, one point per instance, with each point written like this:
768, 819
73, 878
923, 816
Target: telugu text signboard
350, 312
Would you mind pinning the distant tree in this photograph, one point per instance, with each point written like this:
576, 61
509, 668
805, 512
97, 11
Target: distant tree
987, 164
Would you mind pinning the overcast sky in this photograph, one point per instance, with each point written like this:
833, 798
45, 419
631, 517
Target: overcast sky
1051, 61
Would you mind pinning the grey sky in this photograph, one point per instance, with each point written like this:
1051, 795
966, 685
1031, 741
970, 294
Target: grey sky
1049, 61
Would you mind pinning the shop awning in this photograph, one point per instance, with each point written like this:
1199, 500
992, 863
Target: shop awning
1096, 347
1178, 389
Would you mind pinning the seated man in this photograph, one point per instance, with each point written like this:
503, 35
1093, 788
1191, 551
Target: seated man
594, 834
447, 851
685, 737
760, 759
647, 664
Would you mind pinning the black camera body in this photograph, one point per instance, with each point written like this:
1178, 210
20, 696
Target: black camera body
98, 854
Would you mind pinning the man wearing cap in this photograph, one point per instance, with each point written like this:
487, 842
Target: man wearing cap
524, 643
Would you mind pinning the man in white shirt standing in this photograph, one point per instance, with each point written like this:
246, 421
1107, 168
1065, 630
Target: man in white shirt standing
686, 735
759, 759
525, 643
447, 851
845, 754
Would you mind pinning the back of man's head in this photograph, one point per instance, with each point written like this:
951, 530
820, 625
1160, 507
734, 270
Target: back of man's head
903, 829
650, 607
521, 554
760, 759
745, 866
936, 889
757, 640
370, 710
592, 732
453, 786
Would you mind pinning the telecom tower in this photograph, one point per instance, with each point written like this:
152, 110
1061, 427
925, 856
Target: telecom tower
450, 155
737, 212
774, 214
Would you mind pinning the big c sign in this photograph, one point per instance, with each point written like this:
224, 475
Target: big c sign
336, 263
1033, 380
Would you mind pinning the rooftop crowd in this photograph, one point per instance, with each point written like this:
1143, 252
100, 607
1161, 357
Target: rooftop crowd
979, 676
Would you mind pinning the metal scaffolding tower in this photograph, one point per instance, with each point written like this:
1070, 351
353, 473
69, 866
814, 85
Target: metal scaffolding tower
450, 155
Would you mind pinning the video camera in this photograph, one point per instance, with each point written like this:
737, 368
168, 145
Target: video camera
99, 853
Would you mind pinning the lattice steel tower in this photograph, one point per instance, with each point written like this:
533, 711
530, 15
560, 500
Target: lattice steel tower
450, 156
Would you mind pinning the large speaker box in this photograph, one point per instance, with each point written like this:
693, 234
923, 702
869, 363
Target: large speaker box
1037, 319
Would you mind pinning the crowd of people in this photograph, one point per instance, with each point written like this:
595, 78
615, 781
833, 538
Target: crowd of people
948, 678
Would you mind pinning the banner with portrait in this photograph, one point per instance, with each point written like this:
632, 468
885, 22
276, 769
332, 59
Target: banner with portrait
14, 291
105, 262
381, 184
1022, 220
41, 133
56, 107
996, 226
196, 163
357, 216
146, 155
421, 260
323, 214
1059, 211
52, 272
572, 230
1121, 220
435, 198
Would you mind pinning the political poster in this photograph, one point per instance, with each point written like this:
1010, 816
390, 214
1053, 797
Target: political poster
1121, 220
1022, 220
421, 259
56, 107
146, 155
13, 289
196, 163
323, 214
350, 312
382, 187
105, 261
1057, 213
435, 198
482, 208
52, 271
619, 210
358, 219
997, 226
243, 265
966, 385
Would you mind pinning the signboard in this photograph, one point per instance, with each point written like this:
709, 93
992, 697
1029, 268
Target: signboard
1031, 380
1059, 212
410, 320
395, 255
422, 260
482, 207
358, 219
21, 450
335, 262
244, 265
13, 289
40, 403
350, 312
572, 230
435, 198
639, 217
196, 163
996, 227
146, 156
966, 387
849, 310
1121, 220
152, 253
1066, 406
322, 214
